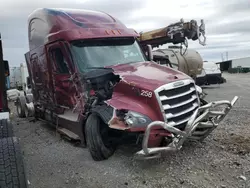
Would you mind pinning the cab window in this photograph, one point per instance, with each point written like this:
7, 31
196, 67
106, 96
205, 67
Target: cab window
59, 60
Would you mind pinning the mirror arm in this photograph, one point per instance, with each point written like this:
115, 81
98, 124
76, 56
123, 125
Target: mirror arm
150, 53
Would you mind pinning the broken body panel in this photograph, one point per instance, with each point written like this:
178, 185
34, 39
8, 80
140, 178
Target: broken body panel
62, 42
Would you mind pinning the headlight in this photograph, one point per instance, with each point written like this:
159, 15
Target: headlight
201, 93
136, 119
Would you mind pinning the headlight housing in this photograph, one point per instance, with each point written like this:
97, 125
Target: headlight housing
198, 89
136, 119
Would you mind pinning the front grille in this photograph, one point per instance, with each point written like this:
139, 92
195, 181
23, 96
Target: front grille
178, 102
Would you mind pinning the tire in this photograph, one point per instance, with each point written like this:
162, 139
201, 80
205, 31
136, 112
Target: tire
20, 106
95, 143
6, 129
28, 91
12, 172
29, 98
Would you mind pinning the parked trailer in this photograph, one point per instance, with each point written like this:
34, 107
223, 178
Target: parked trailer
241, 62
18, 77
94, 83
15, 77
12, 171
240, 65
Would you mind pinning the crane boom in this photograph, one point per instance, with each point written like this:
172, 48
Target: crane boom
174, 33
191, 62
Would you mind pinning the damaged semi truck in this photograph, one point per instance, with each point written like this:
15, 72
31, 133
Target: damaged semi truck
92, 79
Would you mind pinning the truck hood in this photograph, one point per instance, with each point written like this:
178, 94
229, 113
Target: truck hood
148, 75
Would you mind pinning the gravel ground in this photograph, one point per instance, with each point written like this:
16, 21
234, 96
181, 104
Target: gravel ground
222, 160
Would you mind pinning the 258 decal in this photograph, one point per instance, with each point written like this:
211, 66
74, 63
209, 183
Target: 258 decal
146, 93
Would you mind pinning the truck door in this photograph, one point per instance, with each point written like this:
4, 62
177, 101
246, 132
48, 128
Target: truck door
60, 64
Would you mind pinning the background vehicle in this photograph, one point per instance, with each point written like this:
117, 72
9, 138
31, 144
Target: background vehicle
18, 77
11, 161
185, 60
189, 62
239, 65
213, 73
201, 79
94, 83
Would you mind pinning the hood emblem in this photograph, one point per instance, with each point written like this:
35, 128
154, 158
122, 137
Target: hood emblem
180, 83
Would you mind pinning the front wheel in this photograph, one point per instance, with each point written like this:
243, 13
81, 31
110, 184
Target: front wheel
97, 137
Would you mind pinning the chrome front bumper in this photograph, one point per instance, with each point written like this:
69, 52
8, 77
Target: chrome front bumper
206, 117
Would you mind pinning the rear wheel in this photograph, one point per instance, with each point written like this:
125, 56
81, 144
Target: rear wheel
6, 129
12, 173
20, 106
98, 139
29, 98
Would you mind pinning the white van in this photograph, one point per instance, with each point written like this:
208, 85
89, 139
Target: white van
213, 73
201, 79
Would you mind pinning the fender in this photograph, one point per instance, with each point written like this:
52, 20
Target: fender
105, 112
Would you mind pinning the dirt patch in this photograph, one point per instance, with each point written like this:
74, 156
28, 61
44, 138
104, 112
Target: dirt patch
237, 144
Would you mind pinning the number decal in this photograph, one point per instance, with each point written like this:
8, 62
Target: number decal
146, 93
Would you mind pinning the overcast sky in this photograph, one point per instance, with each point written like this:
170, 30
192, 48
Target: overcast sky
227, 21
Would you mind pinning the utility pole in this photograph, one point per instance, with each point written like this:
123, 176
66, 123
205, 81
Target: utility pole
222, 58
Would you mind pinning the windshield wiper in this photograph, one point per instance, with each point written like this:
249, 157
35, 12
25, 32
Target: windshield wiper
98, 68
97, 72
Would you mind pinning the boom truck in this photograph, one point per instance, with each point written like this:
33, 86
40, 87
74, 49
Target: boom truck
179, 57
95, 82
12, 171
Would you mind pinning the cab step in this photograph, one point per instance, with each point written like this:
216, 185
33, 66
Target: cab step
69, 134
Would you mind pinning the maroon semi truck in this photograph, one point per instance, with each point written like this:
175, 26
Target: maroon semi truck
93, 81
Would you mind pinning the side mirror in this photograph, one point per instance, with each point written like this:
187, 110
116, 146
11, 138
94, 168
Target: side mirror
149, 53
6, 68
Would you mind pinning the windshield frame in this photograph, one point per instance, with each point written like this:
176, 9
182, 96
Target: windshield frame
92, 42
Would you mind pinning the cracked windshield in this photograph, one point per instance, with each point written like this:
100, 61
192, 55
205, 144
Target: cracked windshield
106, 52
